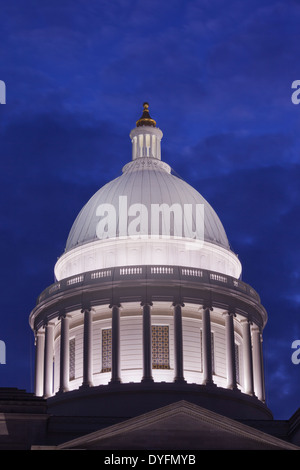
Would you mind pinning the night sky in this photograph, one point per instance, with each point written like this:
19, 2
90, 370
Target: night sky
218, 76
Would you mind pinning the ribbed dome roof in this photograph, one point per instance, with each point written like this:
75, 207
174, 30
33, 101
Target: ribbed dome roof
144, 181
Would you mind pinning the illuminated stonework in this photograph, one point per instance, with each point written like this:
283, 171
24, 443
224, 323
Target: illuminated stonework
166, 312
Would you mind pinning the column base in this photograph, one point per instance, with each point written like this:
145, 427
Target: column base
114, 381
147, 380
62, 390
180, 380
86, 385
233, 387
209, 383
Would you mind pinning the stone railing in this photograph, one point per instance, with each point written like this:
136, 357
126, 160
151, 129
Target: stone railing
148, 272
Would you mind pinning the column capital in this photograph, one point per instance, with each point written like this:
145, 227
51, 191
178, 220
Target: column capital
178, 303
39, 332
63, 314
207, 307
229, 312
146, 302
85, 309
246, 320
114, 304
256, 328
47, 322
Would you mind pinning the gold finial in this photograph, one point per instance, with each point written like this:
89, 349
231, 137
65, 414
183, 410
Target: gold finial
146, 120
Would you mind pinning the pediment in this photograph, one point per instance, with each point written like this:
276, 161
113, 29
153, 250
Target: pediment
181, 425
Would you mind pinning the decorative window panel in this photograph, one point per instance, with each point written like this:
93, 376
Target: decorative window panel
106, 349
160, 347
72, 359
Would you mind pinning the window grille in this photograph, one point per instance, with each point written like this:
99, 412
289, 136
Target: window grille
72, 359
160, 347
106, 349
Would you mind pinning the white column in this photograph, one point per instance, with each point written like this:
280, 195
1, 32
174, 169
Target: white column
147, 343
48, 360
87, 348
247, 356
206, 347
144, 146
138, 139
115, 353
230, 350
39, 362
257, 363
64, 353
178, 343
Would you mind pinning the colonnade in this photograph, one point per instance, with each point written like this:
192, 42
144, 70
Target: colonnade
253, 383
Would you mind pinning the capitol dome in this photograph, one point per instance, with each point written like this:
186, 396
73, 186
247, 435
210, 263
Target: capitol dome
145, 216
148, 306
147, 181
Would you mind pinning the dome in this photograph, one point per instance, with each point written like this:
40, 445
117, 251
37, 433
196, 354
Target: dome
147, 216
145, 182
148, 302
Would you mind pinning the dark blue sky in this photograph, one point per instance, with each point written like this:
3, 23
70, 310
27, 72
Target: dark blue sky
218, 76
